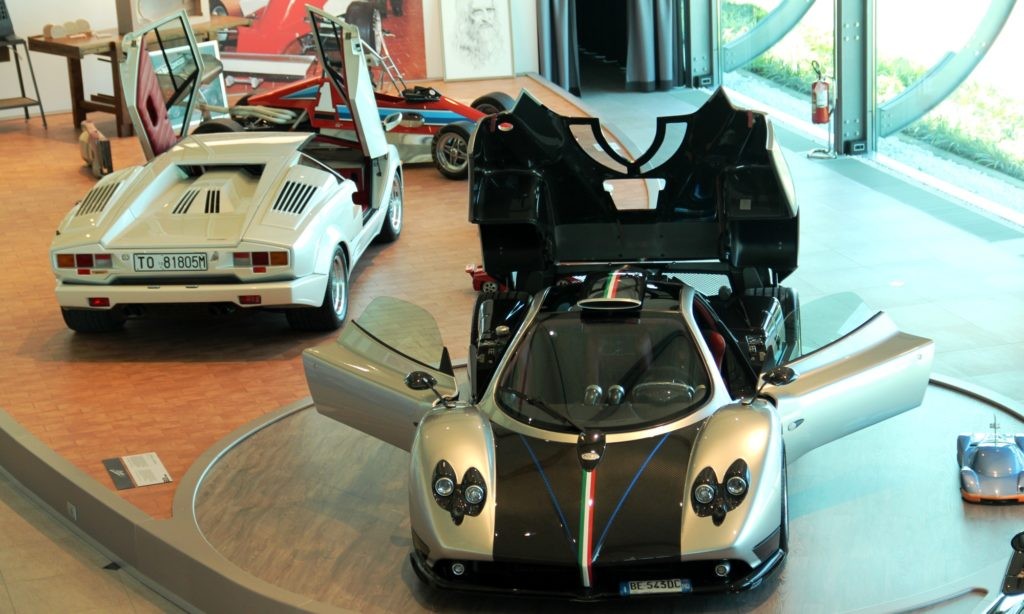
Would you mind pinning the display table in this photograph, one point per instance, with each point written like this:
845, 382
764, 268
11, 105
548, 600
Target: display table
105, 43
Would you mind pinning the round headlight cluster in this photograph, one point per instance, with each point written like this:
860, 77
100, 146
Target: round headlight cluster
444, 486
736, 486
704, 493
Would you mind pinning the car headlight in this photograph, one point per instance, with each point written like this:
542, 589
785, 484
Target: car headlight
736, 486
709, 497
704, 493
460, 499
444, 486
474, 494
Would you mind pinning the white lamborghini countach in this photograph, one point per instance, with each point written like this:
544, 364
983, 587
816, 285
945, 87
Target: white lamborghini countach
242, 220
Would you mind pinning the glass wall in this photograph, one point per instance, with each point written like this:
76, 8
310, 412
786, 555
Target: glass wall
974, 139
780, 78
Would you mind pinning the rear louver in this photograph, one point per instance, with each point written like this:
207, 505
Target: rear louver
97, 199
186, 201
294, 197
213, 201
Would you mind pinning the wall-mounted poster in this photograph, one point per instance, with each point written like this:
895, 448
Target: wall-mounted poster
277, 48
477, 39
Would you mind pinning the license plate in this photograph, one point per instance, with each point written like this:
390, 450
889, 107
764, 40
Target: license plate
169, 262
651, 587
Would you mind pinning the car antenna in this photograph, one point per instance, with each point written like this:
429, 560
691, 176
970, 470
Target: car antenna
995, 428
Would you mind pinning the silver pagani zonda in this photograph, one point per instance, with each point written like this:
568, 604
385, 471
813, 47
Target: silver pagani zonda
621, 432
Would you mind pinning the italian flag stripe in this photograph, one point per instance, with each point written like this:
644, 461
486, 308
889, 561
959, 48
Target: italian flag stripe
611, 287
587, 491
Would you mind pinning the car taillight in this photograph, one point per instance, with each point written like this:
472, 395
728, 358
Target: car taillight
259, 261
99, 301
84, 262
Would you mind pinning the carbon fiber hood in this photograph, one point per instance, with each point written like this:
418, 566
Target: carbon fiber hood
638, 498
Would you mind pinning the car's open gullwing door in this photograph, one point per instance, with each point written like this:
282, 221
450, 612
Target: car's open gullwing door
873, 373
341, 55
161, 90
359, 379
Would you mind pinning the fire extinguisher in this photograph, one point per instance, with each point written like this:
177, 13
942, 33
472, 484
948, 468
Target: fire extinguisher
820, 110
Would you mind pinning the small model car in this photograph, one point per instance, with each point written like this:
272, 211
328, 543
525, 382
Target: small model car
482, 282
991, 467
622, 432
241, 220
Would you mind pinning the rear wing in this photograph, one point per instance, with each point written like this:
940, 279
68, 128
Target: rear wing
722, 198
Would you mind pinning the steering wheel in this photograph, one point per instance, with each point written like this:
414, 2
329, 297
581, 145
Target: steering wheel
663, 385
663, 393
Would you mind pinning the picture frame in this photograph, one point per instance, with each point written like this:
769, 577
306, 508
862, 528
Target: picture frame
476, 37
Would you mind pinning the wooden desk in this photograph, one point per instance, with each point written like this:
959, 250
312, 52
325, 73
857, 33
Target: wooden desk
106, 43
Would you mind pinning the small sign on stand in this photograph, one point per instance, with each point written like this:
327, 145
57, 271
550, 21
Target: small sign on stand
136, 470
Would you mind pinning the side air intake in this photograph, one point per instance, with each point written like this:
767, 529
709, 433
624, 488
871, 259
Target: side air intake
97, 199
294, 198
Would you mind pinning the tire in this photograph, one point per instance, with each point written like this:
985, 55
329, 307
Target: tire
495, 102
217, 8
92, 320
218, 125
450, 150
366, 17
392, 226
332, 311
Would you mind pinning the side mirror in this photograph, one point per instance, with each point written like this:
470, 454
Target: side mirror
780, 376
392, 121
420, 380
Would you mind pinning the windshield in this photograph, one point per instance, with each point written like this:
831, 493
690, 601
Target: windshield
572, 373
998, 461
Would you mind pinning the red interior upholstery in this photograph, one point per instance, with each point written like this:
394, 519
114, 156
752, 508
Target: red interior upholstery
153, 110
716, 343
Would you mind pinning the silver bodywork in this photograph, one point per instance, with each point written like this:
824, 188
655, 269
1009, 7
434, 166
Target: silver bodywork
991, 467
873, 373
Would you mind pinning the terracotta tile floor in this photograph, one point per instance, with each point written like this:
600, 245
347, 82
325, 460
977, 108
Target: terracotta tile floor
175, 385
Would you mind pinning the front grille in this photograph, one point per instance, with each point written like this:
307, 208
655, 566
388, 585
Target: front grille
294, 197
97, 199
528, 578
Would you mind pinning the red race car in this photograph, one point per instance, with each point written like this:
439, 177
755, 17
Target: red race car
423, 124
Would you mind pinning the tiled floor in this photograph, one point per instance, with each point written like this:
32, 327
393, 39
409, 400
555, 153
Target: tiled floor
940, 272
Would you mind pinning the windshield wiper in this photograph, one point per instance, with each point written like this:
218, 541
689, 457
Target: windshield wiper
544, 407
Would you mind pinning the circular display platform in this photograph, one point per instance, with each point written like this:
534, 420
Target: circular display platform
876, 519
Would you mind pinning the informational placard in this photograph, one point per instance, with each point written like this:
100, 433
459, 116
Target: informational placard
136, 470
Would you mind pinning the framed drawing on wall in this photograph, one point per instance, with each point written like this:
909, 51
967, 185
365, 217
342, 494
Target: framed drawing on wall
477, 39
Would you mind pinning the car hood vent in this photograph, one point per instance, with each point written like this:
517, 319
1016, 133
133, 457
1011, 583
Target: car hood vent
213, 201
294, 197
97, 198
186, 201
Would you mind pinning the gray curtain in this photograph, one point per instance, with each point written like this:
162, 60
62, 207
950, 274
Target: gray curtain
653, 59
558, 50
